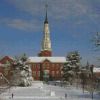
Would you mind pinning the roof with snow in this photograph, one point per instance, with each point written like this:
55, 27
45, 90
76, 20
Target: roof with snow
51, 59
96, 69
6, 56
2, 65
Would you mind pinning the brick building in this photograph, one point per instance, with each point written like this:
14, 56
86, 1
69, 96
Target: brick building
44, 66
5, 66
51, 64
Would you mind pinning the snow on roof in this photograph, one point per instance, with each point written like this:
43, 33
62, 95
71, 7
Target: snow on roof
51, 59
11, 58
96, 69
6, 56
2, 65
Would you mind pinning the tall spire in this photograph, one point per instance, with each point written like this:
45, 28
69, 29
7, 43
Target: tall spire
46, 20
46, 50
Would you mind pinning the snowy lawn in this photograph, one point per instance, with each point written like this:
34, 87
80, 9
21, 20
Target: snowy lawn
40, 91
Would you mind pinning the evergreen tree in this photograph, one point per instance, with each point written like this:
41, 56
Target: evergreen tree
22, 74
72, 65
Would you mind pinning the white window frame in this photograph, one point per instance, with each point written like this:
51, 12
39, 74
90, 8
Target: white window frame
34, 65
62, 72
57, 65
43, 65
57, 73
53, 65
47, 65
38, 73
46, 45
34, 73
46, 35
53, 73
6, 62
38, 65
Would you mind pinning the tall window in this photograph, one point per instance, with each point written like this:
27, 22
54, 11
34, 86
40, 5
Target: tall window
53, 73
34, 66
38, 73
46, 35
34, 73
46, 45
48, 65
57, 65
43, 65
57, 73
53, 65
38, 65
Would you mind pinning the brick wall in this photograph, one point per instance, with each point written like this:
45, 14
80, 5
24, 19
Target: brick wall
46, 53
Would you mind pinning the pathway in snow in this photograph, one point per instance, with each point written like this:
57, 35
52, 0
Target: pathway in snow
43, 92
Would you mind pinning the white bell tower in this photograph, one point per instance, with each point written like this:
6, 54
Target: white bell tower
46, 43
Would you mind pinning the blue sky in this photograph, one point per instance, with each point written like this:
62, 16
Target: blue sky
71, 21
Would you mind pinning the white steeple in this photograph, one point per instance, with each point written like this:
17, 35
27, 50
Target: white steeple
46, 43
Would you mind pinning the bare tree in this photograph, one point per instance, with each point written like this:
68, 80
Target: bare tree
2, 51
96, 42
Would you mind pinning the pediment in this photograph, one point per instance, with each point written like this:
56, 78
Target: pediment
46, 61
6, 58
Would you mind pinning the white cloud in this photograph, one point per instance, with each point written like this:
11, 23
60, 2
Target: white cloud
21, 24
76, 35
60, 13
79, 22
57, 8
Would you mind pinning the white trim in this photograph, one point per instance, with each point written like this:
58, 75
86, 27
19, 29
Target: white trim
45, 59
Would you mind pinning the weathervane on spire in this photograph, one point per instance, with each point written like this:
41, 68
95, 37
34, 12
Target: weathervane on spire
46, 20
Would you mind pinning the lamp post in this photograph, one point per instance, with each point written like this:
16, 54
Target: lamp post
92, 80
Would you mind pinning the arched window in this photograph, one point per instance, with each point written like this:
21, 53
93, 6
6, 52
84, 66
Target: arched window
43, 65
46, 45
6, 62
46, 35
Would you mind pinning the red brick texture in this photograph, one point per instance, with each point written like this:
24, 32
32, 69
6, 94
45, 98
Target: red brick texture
46, 53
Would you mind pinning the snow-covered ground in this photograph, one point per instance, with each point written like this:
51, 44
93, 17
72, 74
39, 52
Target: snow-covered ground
40, 91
